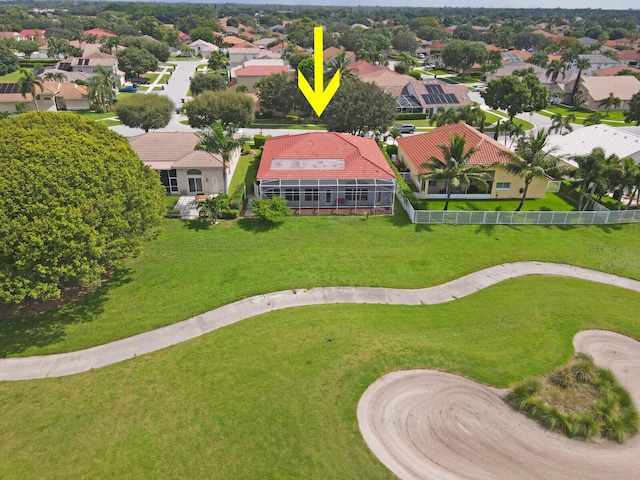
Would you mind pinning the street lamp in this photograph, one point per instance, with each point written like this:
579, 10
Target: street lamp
260, 115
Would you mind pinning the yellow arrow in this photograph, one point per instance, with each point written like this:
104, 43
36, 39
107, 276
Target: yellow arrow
318, 97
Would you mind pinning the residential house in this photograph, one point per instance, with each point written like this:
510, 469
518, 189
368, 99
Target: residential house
281, 29
610, 72
597, 62
412, 96
233, 40
628, 57
587, 41
281, 47
326, 172
35, 35
13, 35
202, 48
416, 150
183, 169
582, 141
250, 75
516, 56
54, 96
90, 63
237, 56
329, 54
99, 33
595, 89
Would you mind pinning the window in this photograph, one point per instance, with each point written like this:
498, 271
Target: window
292, 195
327, 196
433, 183
354, 194
503, 185
311, 195
194, 171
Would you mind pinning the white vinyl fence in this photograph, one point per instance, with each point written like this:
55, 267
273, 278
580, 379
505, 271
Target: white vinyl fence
599, 216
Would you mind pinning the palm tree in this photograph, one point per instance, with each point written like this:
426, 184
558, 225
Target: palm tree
583, 63
55, 77
217, 61
407, 61
560, 123
610, 101
593, 119
455, 168
516, 130
555, 69
212, 208
100, 89
531, 160
623, 175
340, 62
444, 116
590, 174
28, 83
221, 140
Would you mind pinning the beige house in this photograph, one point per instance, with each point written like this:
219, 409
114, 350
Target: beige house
201, 48
415, 150
595, 89
249, 76
183, 169
237, 56
55, 96
89, 64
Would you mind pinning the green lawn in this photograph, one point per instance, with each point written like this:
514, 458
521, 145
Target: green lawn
551, 202
150, 76
516, 120
192, 268
11, 77
164, 79
94, 115
111, 123
245, 173
615, 117
271, 398
435, 71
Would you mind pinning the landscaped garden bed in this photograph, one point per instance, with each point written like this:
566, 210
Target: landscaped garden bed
579, 400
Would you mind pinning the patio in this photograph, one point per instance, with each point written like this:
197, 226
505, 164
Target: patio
188, 207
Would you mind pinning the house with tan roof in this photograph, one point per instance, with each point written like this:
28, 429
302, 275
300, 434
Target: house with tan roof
99, 32
595, 89
610, 72
54, 96
329, 54
183, 169
202, 48
326, 173
89, 64
252, 74
628, 57
237, 56
416, 150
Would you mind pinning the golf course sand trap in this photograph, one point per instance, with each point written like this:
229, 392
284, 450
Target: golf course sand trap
424, 424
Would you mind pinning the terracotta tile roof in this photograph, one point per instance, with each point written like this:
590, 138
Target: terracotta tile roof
172, 149
99, 32
260, 70
420, 148
233, 40
628, 55
362, 67
352, 157
611, 71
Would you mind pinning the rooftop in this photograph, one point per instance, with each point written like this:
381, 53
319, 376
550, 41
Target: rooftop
323, 155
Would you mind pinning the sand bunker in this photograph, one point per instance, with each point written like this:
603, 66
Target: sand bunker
424, 424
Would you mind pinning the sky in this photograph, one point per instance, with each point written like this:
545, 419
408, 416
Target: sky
604, 4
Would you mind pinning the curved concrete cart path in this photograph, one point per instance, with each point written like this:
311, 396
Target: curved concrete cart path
28, 368
424, 424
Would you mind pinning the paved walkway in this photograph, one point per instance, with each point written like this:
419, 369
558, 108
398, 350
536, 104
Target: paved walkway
81, 361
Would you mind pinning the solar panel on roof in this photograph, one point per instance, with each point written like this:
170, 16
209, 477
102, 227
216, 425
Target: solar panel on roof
434, 88
451, 98
9, 88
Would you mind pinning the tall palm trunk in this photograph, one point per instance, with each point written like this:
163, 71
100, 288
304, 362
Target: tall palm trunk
524, 195
446, 203
224, 176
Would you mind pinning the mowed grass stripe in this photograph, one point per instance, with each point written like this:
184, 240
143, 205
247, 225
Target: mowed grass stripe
271, 398
193, 268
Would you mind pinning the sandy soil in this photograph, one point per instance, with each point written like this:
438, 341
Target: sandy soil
424, 424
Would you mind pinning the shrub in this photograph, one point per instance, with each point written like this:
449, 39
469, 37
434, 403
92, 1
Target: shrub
417, 74
258, 140
173, 213
411, 116
229, 214
272, 210
562, 377
392, 149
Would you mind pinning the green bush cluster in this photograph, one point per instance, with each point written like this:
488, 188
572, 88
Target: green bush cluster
258, 140
417, 74
402, 185
613, 416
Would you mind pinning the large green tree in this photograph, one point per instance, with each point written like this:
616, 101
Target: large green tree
148, 112
461, 55
516, 95
359, 107
76, 201
135, 61
405, 41
277, 92
220, 139
591, 175
454, 167
207, 83
227, 106
8, 61
531, 160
